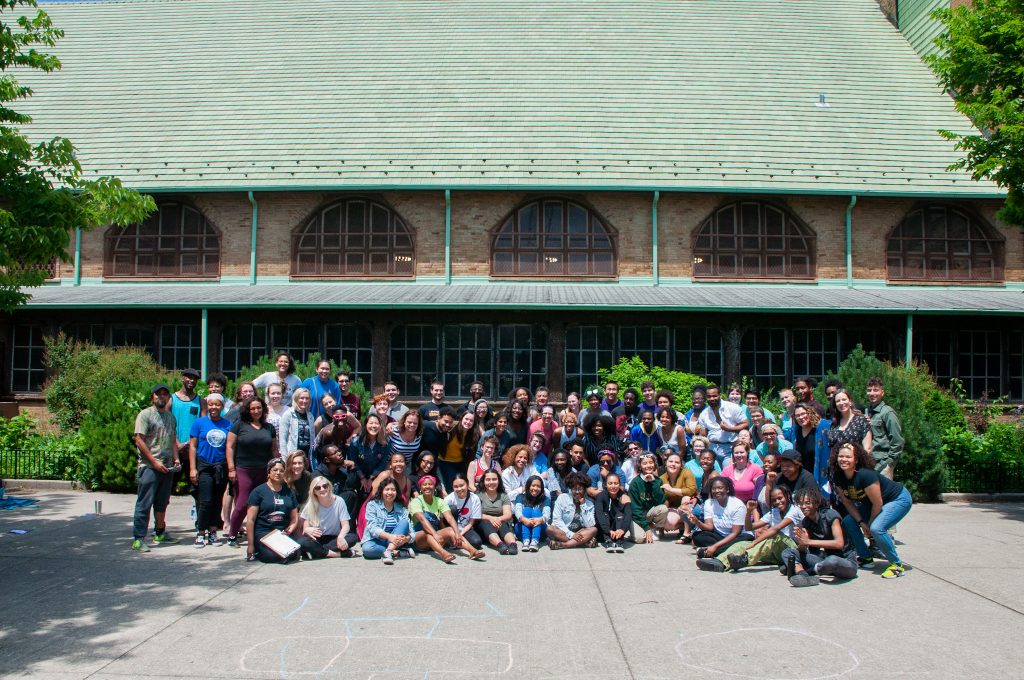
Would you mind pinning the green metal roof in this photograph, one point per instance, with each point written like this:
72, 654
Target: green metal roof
917, 24
686, 95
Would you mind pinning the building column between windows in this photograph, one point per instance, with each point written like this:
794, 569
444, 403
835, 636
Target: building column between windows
214, 331
556, 360
380, 336
732, 339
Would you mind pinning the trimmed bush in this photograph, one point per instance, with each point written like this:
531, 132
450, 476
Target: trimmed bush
907, 390
633, 371
303, 370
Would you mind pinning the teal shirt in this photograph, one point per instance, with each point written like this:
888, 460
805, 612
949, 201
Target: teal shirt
185, 413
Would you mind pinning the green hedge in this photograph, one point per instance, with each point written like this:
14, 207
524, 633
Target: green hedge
633, 371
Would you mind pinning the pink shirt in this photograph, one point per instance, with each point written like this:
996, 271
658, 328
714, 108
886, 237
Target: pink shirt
745, 484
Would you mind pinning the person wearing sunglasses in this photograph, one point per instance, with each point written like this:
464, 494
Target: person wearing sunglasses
326, 524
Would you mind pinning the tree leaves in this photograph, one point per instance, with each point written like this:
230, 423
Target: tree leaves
980, 62
44, 195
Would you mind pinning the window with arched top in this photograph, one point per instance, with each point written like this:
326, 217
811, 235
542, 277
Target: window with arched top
753, 239
553, 238
943, 243
175, 241
353, 237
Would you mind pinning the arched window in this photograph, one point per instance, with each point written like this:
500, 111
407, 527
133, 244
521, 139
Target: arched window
353, 237
553, 237
175, 241
942, 243
753, 239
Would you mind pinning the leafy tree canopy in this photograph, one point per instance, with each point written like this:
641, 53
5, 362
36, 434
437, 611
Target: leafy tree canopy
44, 195
981, 63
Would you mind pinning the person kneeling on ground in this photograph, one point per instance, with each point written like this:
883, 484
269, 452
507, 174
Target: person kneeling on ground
573, 524
271, 506
822, 547
387, 530
325, 524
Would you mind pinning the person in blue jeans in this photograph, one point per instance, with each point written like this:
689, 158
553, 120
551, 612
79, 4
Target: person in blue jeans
874, 504
387, 533
533, 513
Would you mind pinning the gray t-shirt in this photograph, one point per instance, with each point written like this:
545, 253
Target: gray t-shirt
158, 431
331, 517
492, 508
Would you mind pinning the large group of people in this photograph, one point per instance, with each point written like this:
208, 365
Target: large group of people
289, 469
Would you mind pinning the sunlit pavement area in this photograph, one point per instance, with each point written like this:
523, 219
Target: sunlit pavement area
77, 603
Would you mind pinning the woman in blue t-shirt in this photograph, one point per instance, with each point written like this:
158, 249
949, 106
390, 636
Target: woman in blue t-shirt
208, 470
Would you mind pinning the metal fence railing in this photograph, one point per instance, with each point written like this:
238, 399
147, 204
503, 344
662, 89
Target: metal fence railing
986, 477
37, 463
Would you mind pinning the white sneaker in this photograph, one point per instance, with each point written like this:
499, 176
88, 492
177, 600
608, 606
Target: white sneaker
409, 552
200, 541
387, 557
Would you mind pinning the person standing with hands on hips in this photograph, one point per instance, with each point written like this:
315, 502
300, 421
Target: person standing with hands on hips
155, 440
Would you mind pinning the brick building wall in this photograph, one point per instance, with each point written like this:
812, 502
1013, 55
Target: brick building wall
475, 215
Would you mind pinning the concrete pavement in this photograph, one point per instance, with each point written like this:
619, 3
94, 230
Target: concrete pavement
78, 604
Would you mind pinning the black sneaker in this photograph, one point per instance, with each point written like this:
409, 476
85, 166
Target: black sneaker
866, 562
513, 549
609, 546
618, 547
200, 541
790, 566
701, 553
737, 562
710, 564
233, 542
802, 580
503, 549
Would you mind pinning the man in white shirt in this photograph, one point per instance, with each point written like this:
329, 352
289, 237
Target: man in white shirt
722, 420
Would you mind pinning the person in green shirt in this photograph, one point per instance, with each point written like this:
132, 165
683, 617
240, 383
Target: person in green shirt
647, 499
434, 526
886, 432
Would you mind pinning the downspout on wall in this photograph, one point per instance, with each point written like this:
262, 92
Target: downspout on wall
447, 237
78, 257
654, 237
849, 241
252, 249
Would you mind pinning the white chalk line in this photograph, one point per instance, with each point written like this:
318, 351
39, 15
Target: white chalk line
282, 672
708, 669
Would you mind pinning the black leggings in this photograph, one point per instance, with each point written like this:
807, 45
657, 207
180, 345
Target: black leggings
705, 539
211, 482
486, 529
317, 548
472, 536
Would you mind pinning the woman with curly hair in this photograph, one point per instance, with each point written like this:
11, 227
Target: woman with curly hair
874, 504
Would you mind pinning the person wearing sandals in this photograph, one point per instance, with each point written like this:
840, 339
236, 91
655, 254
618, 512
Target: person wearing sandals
496, 514
614, 514
874, 504
434, 525
465, 507
388, 532
533, 513
325, 524
573, 519
823, 548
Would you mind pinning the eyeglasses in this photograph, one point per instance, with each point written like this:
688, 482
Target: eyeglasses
606, 462
321, 487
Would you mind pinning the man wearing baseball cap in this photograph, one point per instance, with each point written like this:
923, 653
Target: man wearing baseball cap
793, 476
155, 440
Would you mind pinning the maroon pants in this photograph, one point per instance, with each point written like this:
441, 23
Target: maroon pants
247, 479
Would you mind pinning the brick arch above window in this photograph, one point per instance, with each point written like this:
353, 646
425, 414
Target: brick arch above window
176, 241
354, 237
554, 237
754, 240
945, 244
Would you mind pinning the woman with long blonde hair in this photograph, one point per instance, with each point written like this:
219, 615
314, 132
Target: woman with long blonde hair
325, 523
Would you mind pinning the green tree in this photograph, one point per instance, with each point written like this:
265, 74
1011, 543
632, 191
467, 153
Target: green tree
44, 194
980, 62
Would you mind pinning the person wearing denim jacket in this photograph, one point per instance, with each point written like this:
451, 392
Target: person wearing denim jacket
377, 516
563, 511
822, 452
